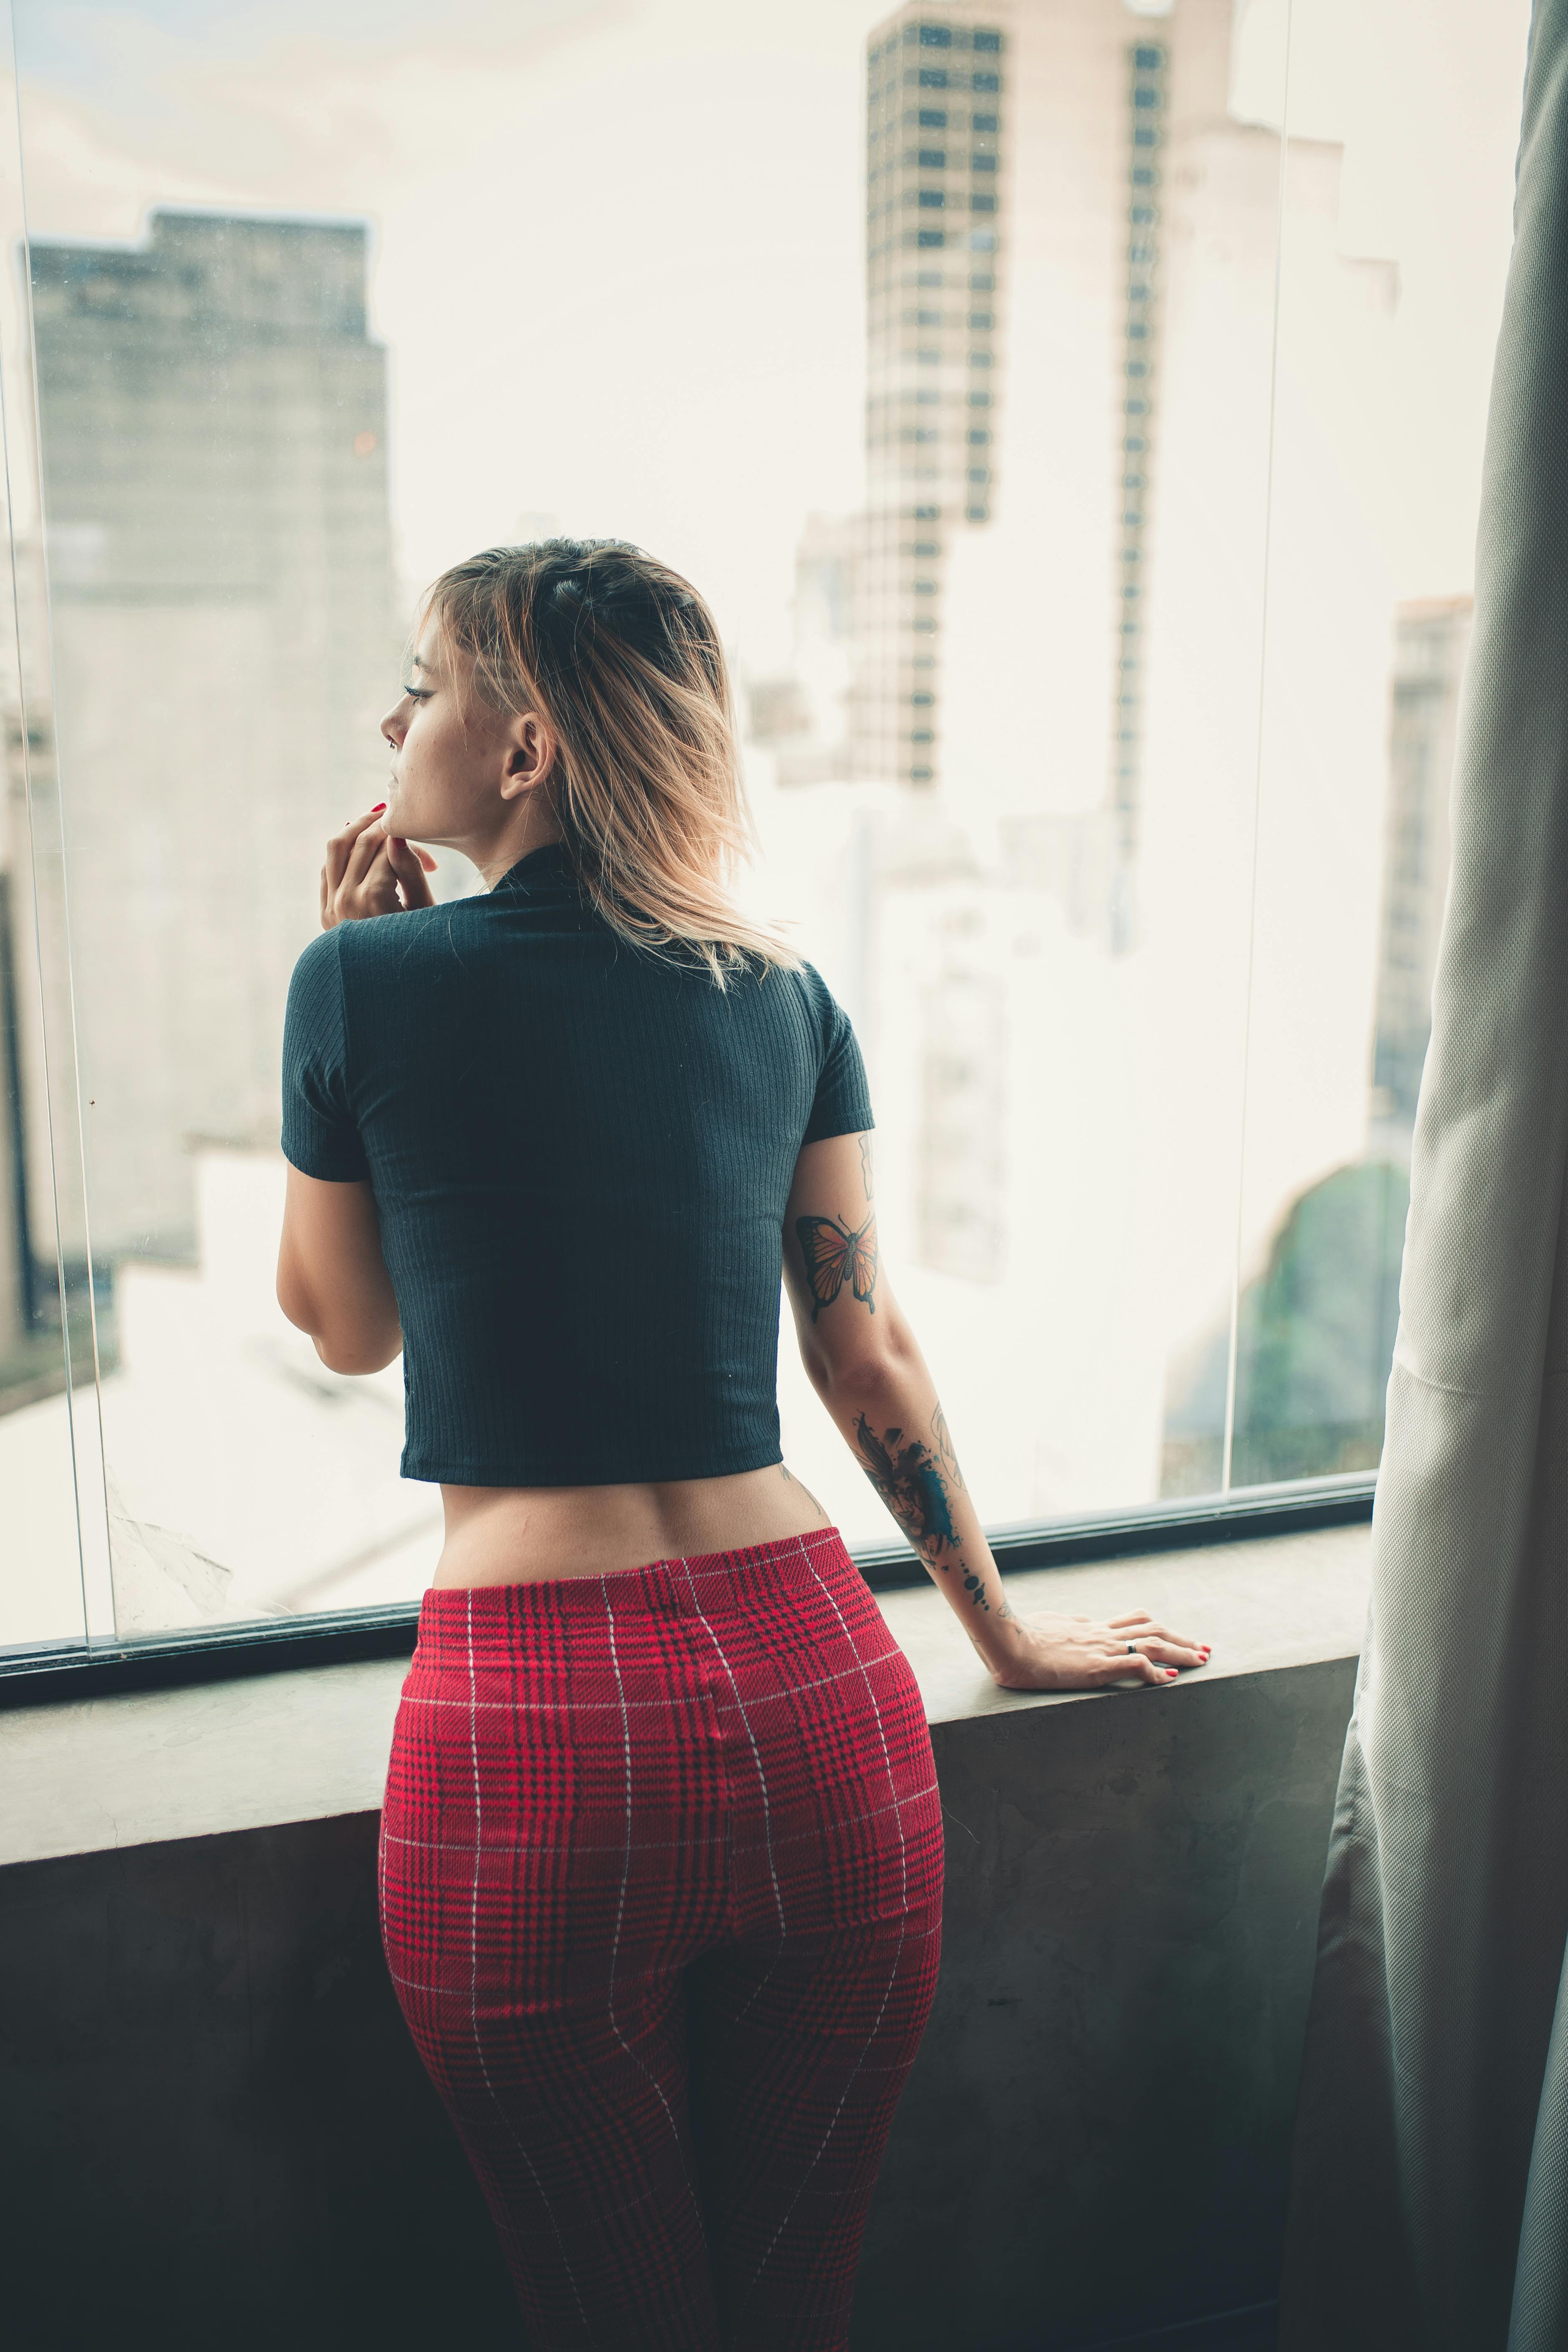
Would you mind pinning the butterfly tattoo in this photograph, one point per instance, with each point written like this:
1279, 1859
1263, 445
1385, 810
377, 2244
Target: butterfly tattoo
834, 1256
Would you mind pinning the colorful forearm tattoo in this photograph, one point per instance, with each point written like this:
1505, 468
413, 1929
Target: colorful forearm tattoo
916, 1484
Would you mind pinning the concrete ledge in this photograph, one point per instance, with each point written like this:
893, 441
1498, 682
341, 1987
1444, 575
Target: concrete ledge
216, 2126
128, 1770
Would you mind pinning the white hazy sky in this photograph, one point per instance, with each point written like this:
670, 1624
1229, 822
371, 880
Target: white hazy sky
618, 242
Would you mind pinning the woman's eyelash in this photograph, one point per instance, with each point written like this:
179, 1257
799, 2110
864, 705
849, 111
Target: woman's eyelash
418, 693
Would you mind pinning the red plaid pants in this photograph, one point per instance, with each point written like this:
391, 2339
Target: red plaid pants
661, 1882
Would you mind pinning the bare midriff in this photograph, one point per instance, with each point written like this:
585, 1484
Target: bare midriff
530, 1535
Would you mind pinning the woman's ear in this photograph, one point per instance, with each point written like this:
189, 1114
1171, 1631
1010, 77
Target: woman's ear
531, 754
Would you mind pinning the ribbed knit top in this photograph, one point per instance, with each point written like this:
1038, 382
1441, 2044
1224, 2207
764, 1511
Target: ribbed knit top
580, 1156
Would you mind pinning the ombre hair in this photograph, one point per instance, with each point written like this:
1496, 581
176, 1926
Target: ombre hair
622, 656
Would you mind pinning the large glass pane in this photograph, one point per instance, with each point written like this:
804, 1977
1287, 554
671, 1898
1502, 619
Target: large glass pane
949, 351
1399, 190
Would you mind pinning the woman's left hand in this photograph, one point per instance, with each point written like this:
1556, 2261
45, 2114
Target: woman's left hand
369, 872
1059, 1653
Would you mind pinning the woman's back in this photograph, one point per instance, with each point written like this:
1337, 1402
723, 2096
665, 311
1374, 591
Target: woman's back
581, 1154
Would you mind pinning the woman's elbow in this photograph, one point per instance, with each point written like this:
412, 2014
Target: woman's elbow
356, 1347
357, 1352
852, 1360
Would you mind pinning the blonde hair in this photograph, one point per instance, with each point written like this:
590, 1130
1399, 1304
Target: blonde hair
622, 656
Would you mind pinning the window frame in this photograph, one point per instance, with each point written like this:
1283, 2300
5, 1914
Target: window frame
69, 1672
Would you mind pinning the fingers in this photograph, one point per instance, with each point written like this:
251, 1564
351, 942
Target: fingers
410, 865
342, 844
1141, 1627
1135, 1668
358, 879
366, 847
366, 869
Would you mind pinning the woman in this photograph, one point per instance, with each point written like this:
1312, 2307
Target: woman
661, 1855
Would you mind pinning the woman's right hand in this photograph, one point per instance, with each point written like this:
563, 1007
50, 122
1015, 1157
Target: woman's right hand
1059, 1653
369, 872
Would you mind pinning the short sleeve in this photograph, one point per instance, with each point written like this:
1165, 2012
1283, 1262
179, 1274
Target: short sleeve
843, 1100
319, 1136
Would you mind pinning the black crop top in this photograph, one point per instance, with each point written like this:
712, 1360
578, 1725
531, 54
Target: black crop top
580, 1156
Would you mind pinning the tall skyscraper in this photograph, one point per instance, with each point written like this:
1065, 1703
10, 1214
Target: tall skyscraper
1430, 641
213, 422
935, 146
1148, 104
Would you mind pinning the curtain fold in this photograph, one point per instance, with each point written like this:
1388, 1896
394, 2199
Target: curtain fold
1429, 2194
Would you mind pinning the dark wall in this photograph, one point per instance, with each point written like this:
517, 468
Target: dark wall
215, 2131
1096, 2135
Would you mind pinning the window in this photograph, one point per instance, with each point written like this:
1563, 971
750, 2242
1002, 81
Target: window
294, 360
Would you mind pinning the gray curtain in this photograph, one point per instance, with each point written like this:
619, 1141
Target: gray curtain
1430, 2199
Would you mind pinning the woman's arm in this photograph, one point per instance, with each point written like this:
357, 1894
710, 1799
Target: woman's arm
331, 1278
865, 1363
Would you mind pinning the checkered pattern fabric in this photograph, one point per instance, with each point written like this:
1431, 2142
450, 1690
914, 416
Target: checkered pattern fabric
661, 1878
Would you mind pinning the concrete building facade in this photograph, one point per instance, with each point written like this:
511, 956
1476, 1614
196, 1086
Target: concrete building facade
212, 410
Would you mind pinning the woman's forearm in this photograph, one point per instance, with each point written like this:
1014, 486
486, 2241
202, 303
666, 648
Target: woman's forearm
891, 1417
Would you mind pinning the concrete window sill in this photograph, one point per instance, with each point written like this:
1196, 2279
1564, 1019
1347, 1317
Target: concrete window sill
138, 1768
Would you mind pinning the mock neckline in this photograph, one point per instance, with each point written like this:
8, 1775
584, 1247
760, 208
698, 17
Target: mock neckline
550, 863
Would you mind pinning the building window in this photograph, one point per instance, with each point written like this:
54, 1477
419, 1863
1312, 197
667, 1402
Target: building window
934, 78
981, 162
936, 36
932, 159
986, 81
933, 118
932, 199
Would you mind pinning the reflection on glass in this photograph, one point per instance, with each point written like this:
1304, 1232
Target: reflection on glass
1085, 479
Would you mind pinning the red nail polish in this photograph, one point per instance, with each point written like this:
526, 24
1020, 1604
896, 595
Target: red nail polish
377, 809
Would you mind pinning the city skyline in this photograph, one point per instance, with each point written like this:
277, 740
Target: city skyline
1115, 960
